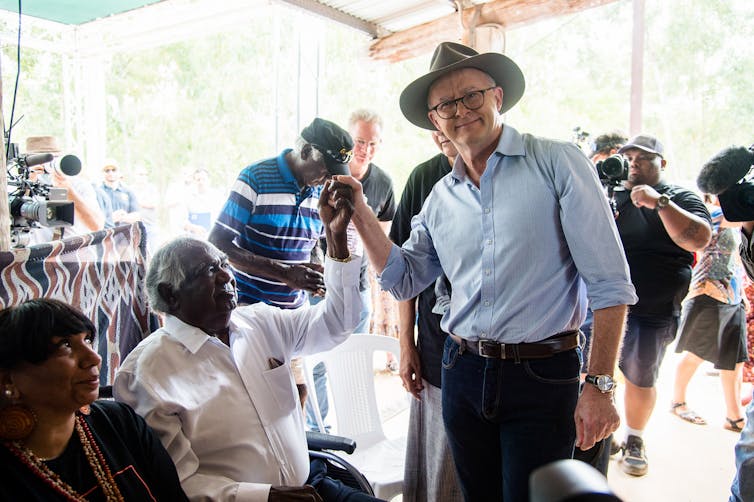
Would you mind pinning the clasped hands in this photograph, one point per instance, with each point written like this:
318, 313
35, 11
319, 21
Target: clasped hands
336, 206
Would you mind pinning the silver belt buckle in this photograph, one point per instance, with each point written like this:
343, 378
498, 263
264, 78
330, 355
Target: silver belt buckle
482, 352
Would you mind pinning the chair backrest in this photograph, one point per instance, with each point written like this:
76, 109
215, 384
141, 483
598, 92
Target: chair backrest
350, 371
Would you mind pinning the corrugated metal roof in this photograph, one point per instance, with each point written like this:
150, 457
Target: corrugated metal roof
395, 15
383, 17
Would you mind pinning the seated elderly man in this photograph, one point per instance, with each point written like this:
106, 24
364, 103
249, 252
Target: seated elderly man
215, 383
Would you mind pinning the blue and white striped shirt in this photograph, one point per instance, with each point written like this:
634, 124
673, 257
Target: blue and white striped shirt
273, 217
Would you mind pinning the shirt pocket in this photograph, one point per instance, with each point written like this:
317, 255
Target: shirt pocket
282, 392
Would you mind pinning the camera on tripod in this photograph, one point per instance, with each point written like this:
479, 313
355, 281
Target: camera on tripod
32, 199
613, 170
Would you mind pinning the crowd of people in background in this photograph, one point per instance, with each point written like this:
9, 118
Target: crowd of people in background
509, 338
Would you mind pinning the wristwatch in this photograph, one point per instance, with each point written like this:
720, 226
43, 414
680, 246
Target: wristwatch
604, 383
662, 202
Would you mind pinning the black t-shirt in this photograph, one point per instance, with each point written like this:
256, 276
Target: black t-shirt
431, 337
137, 460
660, 270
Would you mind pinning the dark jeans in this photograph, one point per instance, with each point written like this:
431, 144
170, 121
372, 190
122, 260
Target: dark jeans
333, 490
505, 418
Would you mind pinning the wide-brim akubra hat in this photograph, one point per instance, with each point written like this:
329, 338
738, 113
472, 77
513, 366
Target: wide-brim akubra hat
42, 144
450, 56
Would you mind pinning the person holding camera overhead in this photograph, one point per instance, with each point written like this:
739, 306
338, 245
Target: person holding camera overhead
661, 226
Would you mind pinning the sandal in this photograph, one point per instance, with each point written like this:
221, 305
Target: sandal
688, 415
732, 425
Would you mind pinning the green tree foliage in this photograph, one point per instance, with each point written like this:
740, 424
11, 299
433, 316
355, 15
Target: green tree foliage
220, 101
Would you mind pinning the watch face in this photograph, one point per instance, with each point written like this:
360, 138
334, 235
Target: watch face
604, 383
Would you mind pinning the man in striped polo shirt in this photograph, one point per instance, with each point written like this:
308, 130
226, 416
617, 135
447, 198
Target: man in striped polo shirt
270, 222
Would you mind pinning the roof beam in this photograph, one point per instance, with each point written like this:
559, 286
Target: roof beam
507, 13
337, 15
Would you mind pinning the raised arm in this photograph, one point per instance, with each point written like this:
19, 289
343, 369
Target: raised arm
376, 242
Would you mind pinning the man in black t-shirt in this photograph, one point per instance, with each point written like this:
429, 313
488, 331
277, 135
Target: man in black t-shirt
661, 226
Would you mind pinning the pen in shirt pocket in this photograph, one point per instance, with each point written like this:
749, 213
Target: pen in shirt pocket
274, 363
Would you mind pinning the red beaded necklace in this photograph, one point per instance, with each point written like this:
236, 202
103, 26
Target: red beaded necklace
93, 454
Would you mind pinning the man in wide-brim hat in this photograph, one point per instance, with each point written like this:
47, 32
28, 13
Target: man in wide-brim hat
524, 233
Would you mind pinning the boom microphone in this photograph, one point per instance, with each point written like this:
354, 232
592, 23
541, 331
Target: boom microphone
34, 159
725, 169
725, 176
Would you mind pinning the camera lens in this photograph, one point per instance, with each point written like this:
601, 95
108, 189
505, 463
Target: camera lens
613, 166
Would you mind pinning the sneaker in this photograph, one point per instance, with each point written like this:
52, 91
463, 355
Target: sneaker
634, 461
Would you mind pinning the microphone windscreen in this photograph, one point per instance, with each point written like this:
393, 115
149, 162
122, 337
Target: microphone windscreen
35, 159
724, 170
70, 165
737, 202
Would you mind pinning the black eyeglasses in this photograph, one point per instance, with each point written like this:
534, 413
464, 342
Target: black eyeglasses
471, 100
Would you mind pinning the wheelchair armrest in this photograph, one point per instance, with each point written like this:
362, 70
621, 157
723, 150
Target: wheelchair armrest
320, 441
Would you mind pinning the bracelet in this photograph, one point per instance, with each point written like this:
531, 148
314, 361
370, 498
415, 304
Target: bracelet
342, 260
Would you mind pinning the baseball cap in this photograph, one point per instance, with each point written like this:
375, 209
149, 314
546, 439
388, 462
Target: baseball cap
644, 142
333, 142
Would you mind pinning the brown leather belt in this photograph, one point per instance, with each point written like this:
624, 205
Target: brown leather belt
561, 342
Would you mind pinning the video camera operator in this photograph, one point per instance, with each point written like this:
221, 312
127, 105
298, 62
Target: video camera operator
612, 168
606, 145
87, 215
660, 226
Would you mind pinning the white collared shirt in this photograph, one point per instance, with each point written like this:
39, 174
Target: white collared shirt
230, 420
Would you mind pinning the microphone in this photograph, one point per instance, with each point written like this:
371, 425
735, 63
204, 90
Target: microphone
70, 165
34, 159
724, 175
725, 169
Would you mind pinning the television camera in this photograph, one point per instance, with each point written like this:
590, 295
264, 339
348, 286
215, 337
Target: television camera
612, 171
33, 201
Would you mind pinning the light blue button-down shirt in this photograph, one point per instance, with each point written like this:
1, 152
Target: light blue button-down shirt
525, 252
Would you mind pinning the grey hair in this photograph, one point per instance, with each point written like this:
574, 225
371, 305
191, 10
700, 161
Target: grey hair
365, 115
169, 267
299, 145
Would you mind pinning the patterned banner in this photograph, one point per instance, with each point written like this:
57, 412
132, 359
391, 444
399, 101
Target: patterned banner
100, 273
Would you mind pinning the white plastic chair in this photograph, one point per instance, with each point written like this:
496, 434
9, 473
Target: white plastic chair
350, 375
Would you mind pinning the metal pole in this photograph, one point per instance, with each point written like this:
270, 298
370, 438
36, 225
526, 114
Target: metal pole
637, 68
4, 209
